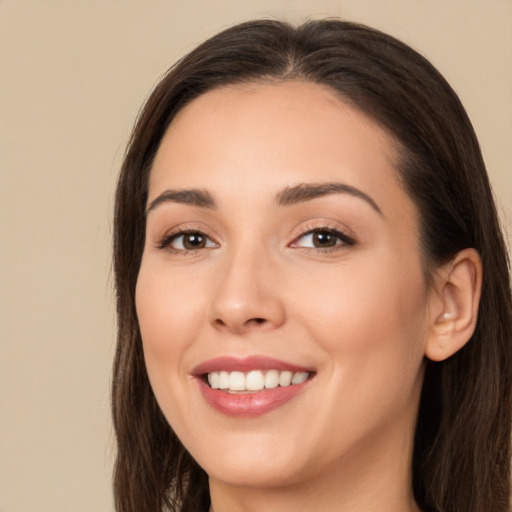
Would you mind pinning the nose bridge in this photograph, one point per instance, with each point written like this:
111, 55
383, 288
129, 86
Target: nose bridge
245, 298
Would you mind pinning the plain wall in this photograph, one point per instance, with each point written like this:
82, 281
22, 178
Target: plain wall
73, 75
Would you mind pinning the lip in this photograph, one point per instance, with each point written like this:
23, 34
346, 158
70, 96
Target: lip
247, 364
248, 404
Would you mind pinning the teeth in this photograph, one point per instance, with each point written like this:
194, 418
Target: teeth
213, 379
285, 378
255, 380
299, 377
236, 381
223, 380
271, 379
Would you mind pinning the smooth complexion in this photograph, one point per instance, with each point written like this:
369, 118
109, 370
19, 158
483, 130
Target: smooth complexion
330, 281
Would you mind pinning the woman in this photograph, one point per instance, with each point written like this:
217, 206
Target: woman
313, 292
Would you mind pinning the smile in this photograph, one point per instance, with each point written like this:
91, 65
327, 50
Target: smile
250, 386
255, 380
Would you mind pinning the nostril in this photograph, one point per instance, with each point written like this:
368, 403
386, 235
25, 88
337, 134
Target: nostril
241, 324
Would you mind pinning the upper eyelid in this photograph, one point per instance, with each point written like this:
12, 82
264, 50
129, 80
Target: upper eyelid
323, 224
190, 227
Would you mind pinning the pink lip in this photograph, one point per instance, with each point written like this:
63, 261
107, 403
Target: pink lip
251, 403
246, 364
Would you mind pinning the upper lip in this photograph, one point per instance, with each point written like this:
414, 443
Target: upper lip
247, 364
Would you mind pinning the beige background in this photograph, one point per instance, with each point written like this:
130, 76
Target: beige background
72, 77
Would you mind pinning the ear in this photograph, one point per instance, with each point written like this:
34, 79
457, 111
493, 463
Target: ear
454, 305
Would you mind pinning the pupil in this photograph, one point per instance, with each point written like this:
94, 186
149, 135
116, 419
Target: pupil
324, 239
193, 241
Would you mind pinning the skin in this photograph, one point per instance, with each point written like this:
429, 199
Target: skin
360, 314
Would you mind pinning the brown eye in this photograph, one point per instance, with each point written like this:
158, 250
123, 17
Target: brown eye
188, 241
194, 241
324, 239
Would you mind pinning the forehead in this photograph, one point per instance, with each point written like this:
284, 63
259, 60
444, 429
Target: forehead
263, 136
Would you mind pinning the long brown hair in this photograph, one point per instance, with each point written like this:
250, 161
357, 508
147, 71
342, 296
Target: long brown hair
462, 449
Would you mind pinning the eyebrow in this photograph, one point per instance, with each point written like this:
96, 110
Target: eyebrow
287, 197
192, 197
308, 191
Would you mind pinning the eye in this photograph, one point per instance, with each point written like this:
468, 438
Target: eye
323, 238
186, 241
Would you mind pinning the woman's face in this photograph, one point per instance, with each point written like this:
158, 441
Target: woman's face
280, 245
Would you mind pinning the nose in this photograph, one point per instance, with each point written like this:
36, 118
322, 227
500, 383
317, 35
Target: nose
247, 296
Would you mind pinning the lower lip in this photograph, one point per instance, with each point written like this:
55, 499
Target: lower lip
250, 404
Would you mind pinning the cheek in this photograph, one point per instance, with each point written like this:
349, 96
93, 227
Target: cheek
167, 309
369, 319
169, 314
370, 327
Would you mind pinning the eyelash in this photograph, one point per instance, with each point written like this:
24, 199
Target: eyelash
167, 240
346, 241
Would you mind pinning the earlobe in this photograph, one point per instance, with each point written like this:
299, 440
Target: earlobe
454, 315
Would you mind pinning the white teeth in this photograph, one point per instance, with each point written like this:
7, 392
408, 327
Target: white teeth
255, 380
213, 380
236, 381
299, 377
272, 379
285, 378
223, 380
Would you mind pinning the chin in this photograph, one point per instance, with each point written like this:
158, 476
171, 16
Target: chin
248, 473
250, 462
